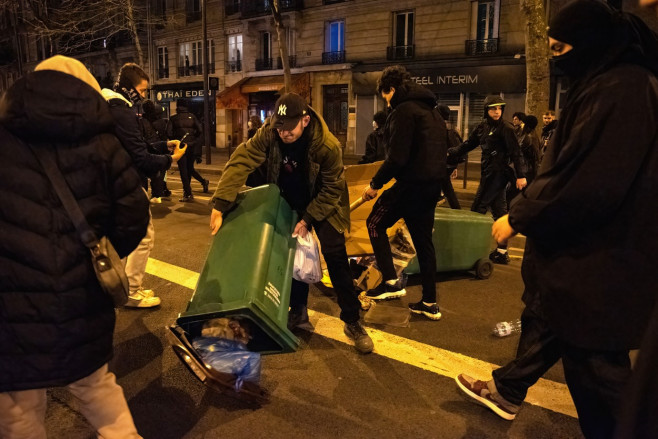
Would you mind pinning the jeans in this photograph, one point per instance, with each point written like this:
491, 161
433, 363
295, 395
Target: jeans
187, 171
102, 403
135, 262
332, 244
415, 204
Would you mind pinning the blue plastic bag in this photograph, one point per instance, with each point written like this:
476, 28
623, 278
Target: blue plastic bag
229, 356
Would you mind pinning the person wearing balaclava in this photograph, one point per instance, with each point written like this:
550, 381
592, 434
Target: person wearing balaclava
590, 222
499, 148
127, 95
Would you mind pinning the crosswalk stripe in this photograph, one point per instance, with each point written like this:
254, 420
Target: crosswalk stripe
546, 393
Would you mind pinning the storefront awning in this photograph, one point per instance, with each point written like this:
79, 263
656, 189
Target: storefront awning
262, 83
231, 98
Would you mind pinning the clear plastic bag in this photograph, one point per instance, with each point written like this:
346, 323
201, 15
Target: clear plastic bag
229, 356
307, 266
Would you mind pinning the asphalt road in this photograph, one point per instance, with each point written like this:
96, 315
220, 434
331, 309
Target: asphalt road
326, 389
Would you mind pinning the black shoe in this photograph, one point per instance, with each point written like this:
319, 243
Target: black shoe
166, 193
386, 291
362, 341
499, 258
298, 318
187, 199
205, 185
431, 312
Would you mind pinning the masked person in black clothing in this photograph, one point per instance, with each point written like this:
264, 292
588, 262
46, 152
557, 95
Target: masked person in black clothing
529, 145
590, 223
151, 125
375, 143
499, 148
416, 157
186, 125
453, 139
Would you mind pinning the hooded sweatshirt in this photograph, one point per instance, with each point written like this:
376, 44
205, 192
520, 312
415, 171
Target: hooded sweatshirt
416, 139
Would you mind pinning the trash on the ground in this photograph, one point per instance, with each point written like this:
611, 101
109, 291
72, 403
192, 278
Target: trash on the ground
228, 329
503, 329
365, 301
387, 315
402, 248
229, 356
369, 279
326, 280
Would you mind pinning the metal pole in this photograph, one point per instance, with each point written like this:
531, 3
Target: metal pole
206, 104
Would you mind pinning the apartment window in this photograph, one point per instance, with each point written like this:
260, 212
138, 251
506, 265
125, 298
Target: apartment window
484, 27
163, 62
403, 36
193, 10
160, 8
234, 53
334, 43
231, 7
190, 60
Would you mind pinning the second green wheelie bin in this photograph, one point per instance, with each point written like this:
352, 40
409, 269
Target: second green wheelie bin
462, 241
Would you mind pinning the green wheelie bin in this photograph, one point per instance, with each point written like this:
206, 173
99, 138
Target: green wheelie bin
462, 241
247, 275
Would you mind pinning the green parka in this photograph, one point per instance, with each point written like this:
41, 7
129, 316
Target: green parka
326, 176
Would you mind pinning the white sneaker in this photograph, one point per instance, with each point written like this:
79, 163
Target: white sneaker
156, 200
142, 299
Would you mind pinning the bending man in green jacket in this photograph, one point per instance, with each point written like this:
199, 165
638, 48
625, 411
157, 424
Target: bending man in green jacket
305, 160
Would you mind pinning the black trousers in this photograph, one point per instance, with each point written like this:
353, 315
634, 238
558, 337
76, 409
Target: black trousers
596, 379
187, 171
333, 249
415, 203
491, 194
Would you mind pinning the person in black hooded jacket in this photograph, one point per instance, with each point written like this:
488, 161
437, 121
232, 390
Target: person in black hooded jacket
375, 143
127, 96
499, 147
416, 140
186, 125
56, 323
590, 220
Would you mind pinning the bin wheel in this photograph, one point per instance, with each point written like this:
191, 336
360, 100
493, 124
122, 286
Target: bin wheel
483, 268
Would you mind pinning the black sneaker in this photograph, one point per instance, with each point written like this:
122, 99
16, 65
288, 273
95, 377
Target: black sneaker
187, 199
431, 312
385, 291
166, 193
298, 318
499, 258
485, 393
362, 341
205, 185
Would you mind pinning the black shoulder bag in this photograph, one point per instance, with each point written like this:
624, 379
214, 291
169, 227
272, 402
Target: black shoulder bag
107, 264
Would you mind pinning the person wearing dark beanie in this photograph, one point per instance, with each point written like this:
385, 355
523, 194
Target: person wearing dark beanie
589, 222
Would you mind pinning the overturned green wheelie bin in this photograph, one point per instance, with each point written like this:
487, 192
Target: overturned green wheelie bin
246, 277
462, 241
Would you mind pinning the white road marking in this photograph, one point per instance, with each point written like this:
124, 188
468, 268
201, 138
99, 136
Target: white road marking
546, 393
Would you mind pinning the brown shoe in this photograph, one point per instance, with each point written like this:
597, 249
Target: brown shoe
485, 393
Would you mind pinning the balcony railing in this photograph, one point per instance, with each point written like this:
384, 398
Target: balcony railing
482, 47
400, 52
196, 69
163, 72
333, 57
329, 2
292, 62
232, 7
264, 64
233, 66
255, 8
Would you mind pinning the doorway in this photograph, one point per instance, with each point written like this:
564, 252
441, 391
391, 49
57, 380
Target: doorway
335, 110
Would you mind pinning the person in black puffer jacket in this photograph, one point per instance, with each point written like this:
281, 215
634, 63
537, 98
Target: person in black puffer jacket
155, 130
185, 124
416, 139
56, 323
375, 143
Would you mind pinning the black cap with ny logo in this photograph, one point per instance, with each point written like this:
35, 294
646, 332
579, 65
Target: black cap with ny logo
288, 110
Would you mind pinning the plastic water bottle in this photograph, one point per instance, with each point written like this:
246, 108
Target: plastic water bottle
503, 329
